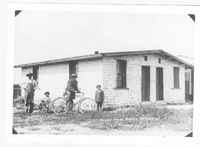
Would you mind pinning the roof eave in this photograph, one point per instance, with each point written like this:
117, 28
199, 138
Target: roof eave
107, 54
187, 65
56, 61
161, 52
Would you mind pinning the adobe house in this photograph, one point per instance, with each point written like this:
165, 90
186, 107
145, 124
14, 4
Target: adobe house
126, 77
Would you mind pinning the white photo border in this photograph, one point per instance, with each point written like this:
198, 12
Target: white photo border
85, 139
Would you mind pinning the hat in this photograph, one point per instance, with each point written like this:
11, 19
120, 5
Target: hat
74, 75
98, 86
29, 75
47, 92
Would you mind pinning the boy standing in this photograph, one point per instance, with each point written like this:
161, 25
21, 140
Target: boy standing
99, 97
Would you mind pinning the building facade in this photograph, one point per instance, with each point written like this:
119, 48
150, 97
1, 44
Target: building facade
126, 77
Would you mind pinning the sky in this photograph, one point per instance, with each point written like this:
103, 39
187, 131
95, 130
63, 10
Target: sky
42, 35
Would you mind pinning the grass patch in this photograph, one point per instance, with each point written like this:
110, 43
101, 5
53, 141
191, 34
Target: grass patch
135, 117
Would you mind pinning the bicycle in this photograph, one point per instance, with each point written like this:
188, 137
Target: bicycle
81, 104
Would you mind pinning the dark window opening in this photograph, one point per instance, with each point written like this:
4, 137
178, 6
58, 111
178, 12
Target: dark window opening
176, 77
16, 91
72, 68
145, 81
17, 12
145, 58
35, 72
121, 73
159, 60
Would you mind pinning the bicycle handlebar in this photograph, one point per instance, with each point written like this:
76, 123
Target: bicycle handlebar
80, 93
77, 93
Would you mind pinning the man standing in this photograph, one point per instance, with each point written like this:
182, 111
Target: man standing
30, 87
72, 88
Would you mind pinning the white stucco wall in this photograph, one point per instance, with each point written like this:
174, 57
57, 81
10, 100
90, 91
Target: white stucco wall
133, 92
89, 75
53, 78
171, 94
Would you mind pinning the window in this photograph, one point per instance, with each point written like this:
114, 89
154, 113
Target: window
145, 58
121, 73
176, 77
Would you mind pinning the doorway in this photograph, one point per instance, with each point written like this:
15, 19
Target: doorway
145, 83
72, 68
159, 83
35, 72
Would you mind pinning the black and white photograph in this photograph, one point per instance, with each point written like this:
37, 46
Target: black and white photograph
103, 73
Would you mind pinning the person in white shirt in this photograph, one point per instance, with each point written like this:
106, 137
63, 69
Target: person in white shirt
29, 88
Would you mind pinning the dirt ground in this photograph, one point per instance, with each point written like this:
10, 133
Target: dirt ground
147, 120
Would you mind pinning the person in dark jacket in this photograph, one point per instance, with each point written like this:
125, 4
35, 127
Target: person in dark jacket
70, 91
99, 97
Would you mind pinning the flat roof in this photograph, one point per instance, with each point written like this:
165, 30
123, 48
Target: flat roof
106, 54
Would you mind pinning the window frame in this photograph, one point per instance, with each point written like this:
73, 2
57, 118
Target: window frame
121, 84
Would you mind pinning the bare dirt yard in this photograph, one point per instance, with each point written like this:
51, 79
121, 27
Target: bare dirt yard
150, 120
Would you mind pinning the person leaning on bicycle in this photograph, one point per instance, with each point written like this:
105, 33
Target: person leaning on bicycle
70, 91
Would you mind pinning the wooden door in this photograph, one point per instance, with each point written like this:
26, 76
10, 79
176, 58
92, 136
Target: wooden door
159, 83
35, 72
145, 83
72, 68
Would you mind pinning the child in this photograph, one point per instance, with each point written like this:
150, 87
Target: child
45, 103
99, 97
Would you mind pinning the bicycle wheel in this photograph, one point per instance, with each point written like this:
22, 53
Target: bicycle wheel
69, 106
86, 104
59, 105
